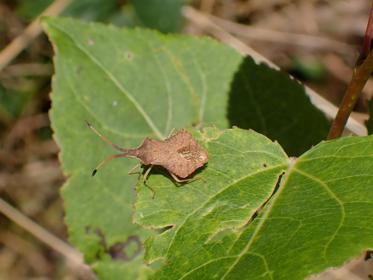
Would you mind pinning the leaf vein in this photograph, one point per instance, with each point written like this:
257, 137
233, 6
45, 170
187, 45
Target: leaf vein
204, 88
205, 264
168, 87
263, 219
336, 157
102, 124
248, 151
117, 84
215, 195
335, 197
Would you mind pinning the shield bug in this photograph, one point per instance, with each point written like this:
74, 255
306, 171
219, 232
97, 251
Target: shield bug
180, 154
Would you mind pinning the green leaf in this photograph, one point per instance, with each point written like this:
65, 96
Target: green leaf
12, 102
317, 219
91, 9
130, 84
164, 15
219, 202
84, 9
30, 9
271, 103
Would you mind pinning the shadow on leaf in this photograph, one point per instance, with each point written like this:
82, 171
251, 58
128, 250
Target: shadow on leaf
270, 102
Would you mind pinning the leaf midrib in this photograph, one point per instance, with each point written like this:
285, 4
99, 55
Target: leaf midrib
139, 108
208, 200
292, 169
263, 219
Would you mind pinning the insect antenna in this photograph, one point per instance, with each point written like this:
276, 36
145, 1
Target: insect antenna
109, 158
103, 138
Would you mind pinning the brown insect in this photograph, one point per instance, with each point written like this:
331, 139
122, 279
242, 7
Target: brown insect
179, 154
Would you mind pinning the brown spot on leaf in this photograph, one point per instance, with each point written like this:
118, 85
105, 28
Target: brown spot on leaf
129, 55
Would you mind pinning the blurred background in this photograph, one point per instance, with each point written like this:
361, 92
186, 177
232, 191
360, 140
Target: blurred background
316, 41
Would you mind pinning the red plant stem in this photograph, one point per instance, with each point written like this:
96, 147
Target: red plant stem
360, 75
368, 34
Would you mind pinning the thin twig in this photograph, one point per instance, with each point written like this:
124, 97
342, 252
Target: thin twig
320, 102
30, 33
289, 38
73, 257
360, 75
207, 6
27, 69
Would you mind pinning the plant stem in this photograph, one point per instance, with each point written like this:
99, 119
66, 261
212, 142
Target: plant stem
360, 75
368, 34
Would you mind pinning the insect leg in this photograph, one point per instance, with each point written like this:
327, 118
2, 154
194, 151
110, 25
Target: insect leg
146, 175
103, 138
184, 180
132, 171
181, 180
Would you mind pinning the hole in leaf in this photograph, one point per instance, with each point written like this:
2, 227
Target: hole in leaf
126, 251
166, 228
256, 213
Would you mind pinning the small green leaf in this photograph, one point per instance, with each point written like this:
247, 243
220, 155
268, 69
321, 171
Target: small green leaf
29, 9
164, 15
84, 9
317, 219
12, 102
